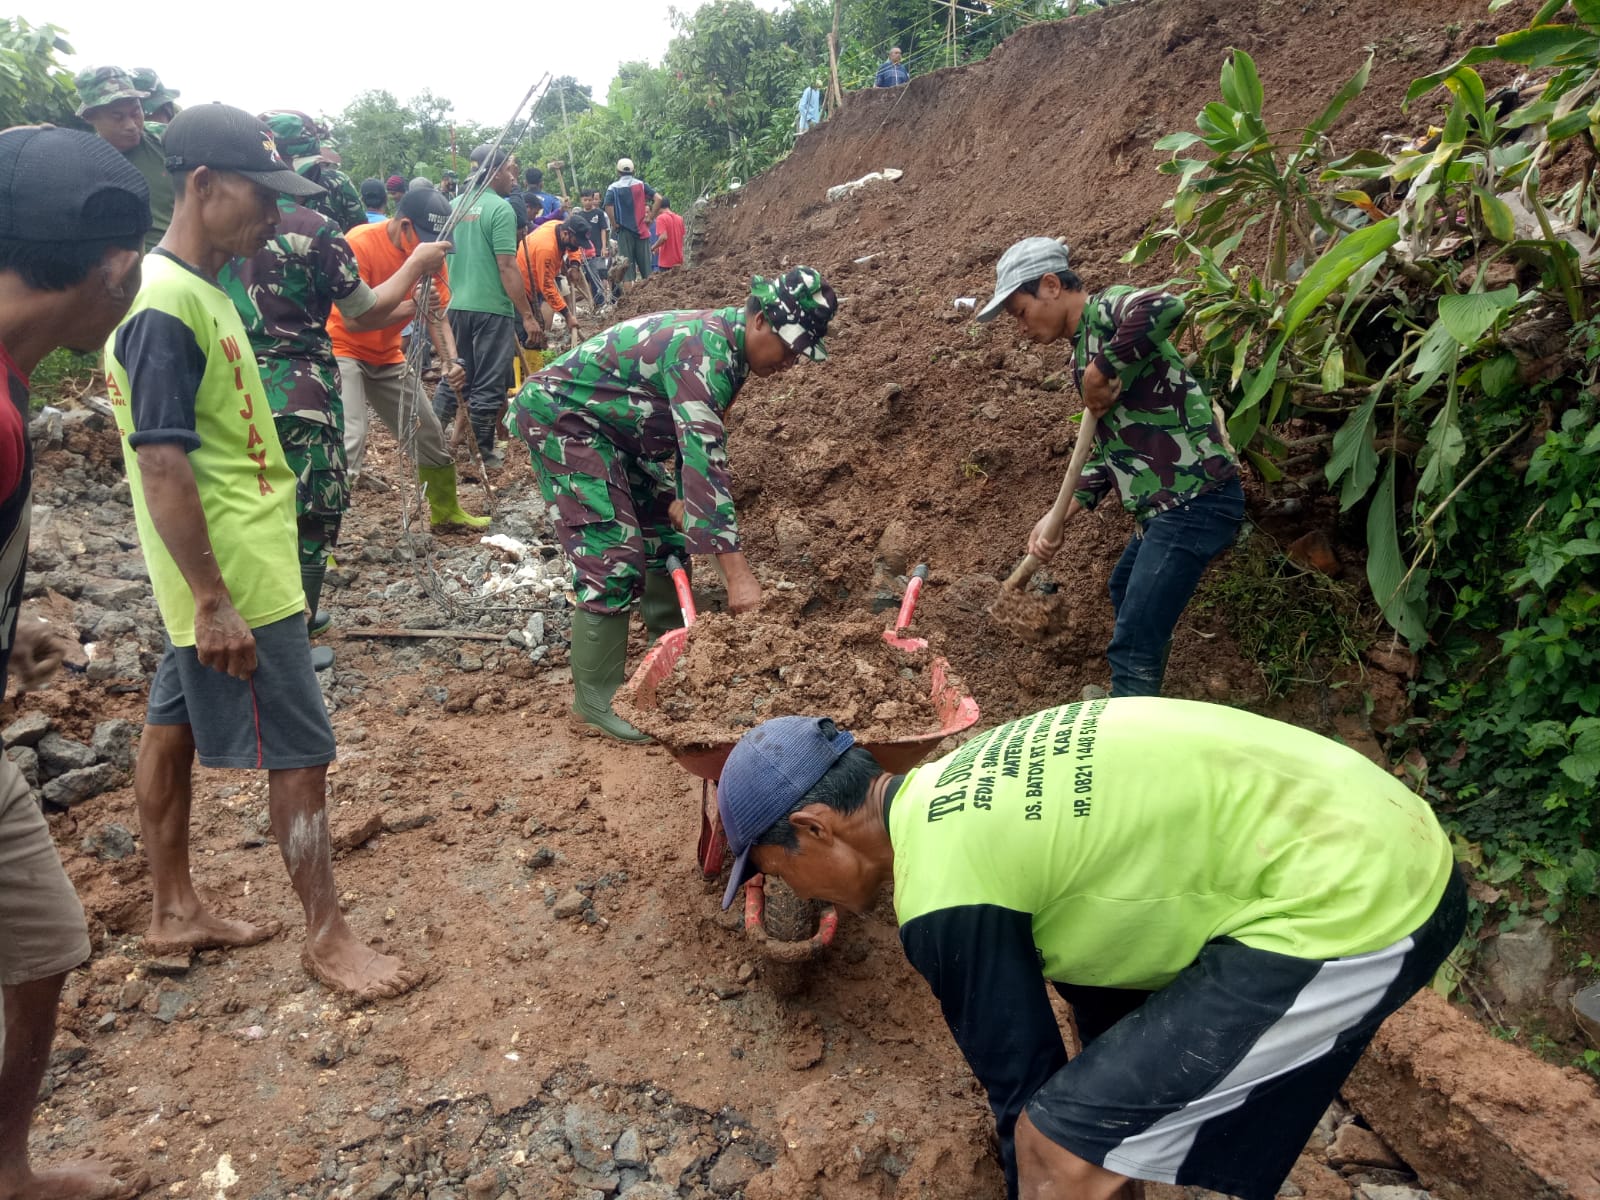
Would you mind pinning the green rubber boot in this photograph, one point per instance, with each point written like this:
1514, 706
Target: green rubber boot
599, 654
659, 608
444, 506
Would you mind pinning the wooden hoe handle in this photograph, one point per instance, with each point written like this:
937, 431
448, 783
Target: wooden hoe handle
1058, 510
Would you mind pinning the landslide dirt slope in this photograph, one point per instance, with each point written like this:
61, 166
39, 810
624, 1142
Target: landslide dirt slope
950, 428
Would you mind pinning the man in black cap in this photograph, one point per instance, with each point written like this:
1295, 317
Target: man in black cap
73, 213
215, 504
487, 300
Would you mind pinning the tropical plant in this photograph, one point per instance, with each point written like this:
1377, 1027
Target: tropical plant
34, 86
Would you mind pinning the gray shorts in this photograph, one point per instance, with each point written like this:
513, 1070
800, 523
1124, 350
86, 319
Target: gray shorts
275, 720
42, 931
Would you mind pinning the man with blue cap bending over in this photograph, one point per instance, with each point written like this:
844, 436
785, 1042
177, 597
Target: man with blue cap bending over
1231, 908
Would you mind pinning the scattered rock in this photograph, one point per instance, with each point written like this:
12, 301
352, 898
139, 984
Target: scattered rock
132, 994
1314, 552
1396, 660
113, 593
384, 1185
1389, 1191
1355, 1146
1586, 1012
113, 742
168, 964
170, 1002
349, 830
110, 842
26, 730
408, 818
27, 762
58, 755
77, 786
629, 1149
66, 1050
570, 904
1518, 962
733, 1170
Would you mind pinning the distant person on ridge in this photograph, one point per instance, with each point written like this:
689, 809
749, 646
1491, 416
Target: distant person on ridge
631, 455
892, 73
631, 204
1160, 444
810, 107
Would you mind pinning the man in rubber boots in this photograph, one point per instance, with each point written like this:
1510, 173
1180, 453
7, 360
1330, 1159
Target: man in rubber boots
285, 294
73, 214
1232, 908
300, 141
606, 423
112, 105
374, 376
214, 501
1160, 444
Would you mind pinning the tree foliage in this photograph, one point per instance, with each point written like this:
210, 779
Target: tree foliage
34, 87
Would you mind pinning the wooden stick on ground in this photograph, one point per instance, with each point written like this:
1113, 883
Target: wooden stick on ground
1058, 511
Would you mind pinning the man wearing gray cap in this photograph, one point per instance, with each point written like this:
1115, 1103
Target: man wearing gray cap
214, 500
73, 214
111, 104
1159, 443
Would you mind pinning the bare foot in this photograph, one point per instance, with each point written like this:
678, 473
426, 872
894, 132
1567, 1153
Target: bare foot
71, 1181
354, 969
204, 931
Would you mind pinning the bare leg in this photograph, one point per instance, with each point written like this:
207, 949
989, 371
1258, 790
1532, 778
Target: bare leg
30, 1023
333, 954
1046, 1171
162, 786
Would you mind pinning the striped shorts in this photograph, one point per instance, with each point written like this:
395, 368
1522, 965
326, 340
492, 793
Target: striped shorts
1217, 1080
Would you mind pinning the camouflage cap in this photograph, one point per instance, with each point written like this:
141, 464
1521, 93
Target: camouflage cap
299, 138
798, 305
155, 92
99, 86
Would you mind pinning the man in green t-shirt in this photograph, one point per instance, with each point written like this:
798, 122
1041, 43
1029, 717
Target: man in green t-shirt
214, 500
1231, 905
487, 298
112, 106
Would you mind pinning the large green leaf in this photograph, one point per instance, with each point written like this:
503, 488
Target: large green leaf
1497, 216
1539, 46
1386, 572
1347, 256
1443, 449
1240, 72
1352, 88
1353, 459
1468, 317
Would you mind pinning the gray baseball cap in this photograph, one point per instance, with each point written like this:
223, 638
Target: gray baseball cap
1027, 260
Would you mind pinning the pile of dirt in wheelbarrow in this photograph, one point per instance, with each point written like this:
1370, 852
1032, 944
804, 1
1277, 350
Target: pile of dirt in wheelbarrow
739, 671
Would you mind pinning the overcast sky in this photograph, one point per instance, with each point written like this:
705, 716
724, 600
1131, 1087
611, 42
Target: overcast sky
318, 58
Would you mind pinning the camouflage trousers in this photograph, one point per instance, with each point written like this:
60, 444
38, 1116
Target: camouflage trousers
609, 510
315, 453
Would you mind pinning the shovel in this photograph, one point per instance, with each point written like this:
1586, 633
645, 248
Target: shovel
895, 637
1058, 511
680, 584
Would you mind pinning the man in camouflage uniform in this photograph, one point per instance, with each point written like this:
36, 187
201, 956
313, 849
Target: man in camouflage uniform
284, 295
626, 435
1160, 443
110, 103
160, 101
300, 141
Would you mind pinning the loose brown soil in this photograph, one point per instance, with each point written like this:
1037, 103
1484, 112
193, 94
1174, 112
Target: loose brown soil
739, 671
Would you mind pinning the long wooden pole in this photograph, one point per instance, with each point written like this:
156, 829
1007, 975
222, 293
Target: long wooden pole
835, 92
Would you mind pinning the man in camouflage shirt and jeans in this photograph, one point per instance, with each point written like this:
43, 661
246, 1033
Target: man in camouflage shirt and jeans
284, 294
626, 434
1159, 443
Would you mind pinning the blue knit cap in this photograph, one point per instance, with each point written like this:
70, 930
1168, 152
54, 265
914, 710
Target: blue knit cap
770, 770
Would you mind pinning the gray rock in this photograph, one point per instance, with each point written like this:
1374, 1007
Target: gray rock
570, 904
58, 755
1586, 1013
384, 1185
113, 624
27, 761
1389, 1191
110, 841
733, 1170
629, 1149
589, 1134
1518, 963
112, 593
170, 1002
77, 786
649, 1191
113, 742
26, 730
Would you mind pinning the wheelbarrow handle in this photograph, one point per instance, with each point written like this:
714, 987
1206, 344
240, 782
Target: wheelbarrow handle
913, 590
680, 584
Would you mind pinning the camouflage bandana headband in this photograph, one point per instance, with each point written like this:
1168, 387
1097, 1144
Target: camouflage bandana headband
798, 305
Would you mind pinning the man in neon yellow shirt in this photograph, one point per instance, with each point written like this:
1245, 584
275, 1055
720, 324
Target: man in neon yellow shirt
214, 499
1231, 905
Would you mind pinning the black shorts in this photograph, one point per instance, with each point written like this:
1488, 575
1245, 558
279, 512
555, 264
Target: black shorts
275, 720
1217, 1080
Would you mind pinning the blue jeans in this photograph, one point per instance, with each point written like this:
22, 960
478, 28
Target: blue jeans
1155, 577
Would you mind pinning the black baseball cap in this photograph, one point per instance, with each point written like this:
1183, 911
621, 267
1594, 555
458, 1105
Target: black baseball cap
487, 158
60, 186
427, 210
229, 139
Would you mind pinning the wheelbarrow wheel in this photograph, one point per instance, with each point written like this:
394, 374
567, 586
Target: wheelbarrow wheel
788, 919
